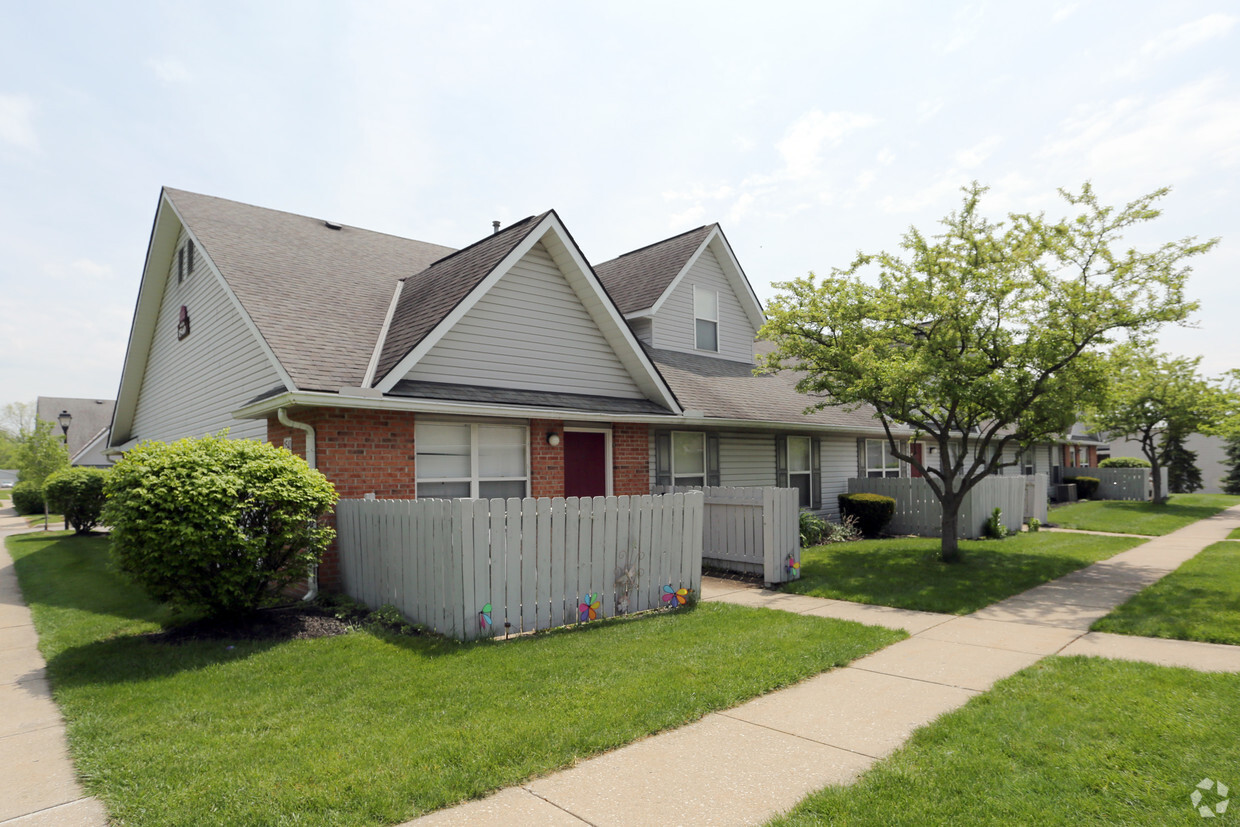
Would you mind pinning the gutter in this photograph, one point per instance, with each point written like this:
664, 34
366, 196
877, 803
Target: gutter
312, 583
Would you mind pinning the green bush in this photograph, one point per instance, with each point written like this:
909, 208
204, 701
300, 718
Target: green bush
995, 528
813, 528
1086, 487
871, 511
1034, 524
216, 523
1124, 462
28, 498
78, 494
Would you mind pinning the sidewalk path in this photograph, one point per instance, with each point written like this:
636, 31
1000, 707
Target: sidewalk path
39, 787
747, 764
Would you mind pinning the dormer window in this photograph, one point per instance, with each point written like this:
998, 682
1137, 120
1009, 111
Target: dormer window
706, 318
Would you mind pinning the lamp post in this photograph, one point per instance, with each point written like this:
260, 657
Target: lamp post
64, 419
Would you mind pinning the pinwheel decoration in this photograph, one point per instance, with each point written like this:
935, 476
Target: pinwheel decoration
484, 617
589, 607
675, 597
794, 567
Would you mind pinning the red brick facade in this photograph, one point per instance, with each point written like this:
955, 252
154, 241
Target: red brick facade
363, 452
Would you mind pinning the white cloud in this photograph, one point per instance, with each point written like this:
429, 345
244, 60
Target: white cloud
16, 122
1185, 37
1064, 12
966, 25
693, 215
975, 155
937, 193
927, 109
169, 70
885, 156
805, 139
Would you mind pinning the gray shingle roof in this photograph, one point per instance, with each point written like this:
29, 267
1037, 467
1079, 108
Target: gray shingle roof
317, 295
637, 279
509, 396
723, 389
90, 416
431, 294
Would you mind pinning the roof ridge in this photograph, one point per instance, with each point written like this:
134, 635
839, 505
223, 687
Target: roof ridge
482, 240
657, 243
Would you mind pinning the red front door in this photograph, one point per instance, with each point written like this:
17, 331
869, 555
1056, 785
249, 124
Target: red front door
919, 456
585, 464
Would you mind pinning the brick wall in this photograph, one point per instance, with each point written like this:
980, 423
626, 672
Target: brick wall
546, 462
630, 458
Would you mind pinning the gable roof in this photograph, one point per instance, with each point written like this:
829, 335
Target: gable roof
427, 297
637, 279
317, 295
90, 416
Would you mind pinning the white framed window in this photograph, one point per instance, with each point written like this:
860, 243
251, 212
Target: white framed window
1028, 464
688, 458
706, 319
879, 461
801, 468
472, 460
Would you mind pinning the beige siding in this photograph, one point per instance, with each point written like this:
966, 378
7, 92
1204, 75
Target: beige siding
674, 323
530, 331
746, 460
839, 465
191, 386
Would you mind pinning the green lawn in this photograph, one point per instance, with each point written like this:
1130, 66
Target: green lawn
1198, 601
1067, 741
368, 728
907, 573
1140, 518
1235, 534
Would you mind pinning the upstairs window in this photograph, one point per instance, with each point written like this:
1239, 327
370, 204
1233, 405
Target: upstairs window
879, 461
189, 258
180, 265
706, 319
474, 461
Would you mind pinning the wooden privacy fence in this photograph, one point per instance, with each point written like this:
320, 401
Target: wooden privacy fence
918, 510
1115, 483
477, 568
752, 531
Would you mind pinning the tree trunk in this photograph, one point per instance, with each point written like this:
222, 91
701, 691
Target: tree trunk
1156, 478
949, 548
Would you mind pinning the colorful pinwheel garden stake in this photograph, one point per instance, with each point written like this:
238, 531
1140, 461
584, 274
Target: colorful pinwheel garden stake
589, 607
484, 617
794, 567
675, 597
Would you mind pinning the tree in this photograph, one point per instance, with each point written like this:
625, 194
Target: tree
1183, 475
221, 524
78, 494
1151, 397
987, 334
39, 456
17, 419
1231, 482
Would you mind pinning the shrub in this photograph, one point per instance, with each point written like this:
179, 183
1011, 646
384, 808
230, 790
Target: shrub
843, 531
216, 523
1034, 524
1086, 487
1124, 462
813, 528
78, 494
28, 498
871, 511
994, 528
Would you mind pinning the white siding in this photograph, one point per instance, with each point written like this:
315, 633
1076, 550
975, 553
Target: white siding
530, 331
839, 465
191, 387
674, 323
642, 330
746, 460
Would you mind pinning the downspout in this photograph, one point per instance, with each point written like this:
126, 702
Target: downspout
312, 583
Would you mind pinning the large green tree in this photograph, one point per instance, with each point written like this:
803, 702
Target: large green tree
988, 333
1154, 399
40, 454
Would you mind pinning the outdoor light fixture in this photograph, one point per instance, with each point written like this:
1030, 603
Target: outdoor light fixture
64, 419
553, 439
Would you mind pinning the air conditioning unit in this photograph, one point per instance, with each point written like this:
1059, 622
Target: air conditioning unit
1065, 493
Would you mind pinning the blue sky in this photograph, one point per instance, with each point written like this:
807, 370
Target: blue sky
809, 130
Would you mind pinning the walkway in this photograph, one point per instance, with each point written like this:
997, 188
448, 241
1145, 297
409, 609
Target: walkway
747, 764
39, 787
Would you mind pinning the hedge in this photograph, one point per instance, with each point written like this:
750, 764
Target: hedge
78, 494
871, 511
28, 498
1124, 462
1086, 487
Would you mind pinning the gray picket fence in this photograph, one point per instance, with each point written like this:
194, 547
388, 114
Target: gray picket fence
918, 511
1116, 483
751, 531
480, 568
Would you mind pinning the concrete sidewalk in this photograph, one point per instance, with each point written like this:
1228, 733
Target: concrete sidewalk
39, 787
747, 764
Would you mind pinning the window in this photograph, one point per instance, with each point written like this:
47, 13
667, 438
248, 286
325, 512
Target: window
180, 265
476, 461
706, 319
1028, 465
688, 458
878, 459
189, 258
801, 468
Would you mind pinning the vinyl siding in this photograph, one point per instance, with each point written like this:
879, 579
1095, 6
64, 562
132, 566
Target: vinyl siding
641, 329
839, 465
530, 331
674, 327
746, 460
191, 387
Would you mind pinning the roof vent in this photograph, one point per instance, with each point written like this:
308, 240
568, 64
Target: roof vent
494, 227
332, 225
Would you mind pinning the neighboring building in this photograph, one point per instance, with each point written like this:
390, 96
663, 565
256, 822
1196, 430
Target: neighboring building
1211, 457
508, 368
91, 417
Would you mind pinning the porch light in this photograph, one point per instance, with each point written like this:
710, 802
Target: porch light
64, 419
553, 439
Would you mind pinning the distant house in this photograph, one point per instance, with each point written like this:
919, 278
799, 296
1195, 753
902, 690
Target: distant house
90, 420
511, 367
1211, 457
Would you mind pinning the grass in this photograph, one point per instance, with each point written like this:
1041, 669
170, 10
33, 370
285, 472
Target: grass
1198, 601
1235, 534
1140, 517
907, 573
1067, 741
372, 729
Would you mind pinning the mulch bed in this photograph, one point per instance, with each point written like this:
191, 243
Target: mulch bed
277, 624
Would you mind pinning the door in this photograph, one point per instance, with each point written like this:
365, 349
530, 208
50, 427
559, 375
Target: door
585, 464
919, 456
